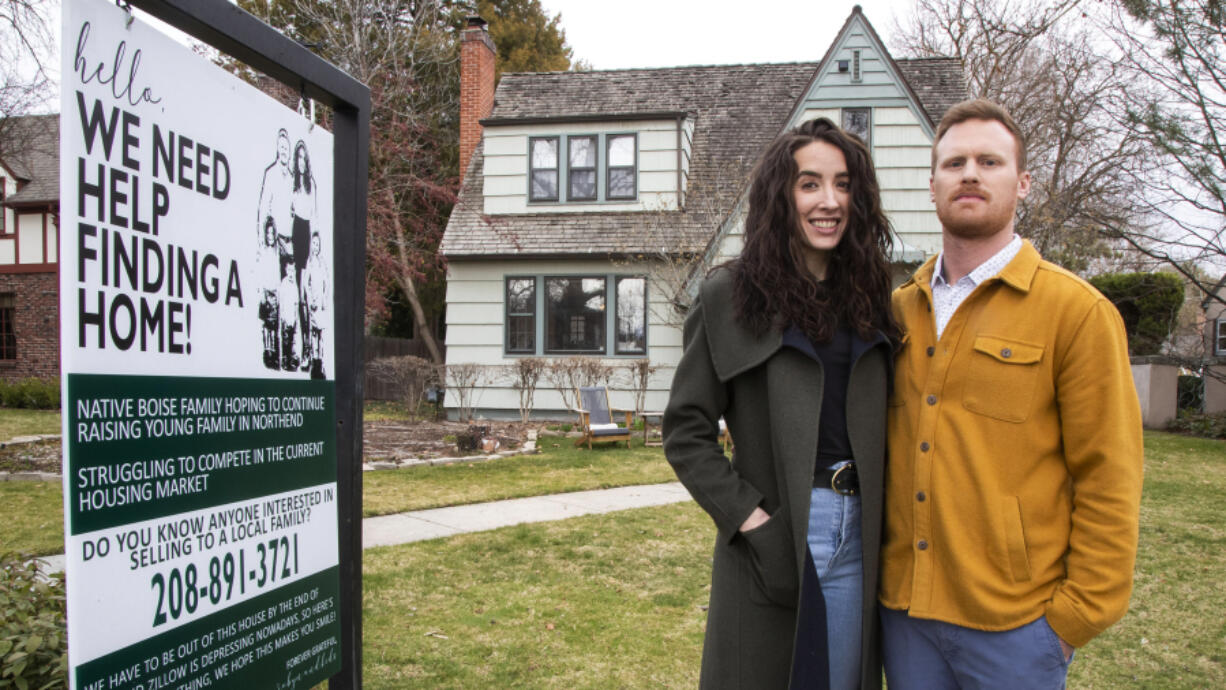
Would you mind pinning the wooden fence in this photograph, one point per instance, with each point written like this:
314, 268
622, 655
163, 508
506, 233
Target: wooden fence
378, 347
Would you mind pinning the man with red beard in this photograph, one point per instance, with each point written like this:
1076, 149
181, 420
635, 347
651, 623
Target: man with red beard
1013, 483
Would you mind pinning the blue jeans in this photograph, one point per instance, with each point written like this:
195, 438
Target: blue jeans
834, 544
932, 655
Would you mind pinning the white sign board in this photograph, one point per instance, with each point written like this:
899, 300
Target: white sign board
199, 389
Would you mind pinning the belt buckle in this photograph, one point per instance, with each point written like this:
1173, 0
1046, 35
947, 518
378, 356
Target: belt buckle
834, 481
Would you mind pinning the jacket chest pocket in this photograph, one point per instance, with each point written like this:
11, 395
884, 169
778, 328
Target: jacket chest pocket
1002, 377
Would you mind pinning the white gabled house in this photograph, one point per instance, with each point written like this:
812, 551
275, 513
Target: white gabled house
578, 184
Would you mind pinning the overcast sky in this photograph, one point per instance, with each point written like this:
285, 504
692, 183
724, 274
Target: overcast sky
669, 33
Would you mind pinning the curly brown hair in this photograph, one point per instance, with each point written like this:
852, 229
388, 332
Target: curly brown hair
771, 281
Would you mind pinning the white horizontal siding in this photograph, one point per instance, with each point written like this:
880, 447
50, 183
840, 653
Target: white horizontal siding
475, 330
894, 116
899, 135
903, 178
505, 183
906, 200
902, 157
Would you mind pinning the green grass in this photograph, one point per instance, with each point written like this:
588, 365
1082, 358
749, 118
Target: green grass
559, 468
33, 518
1174, 635
607, 601
629, 585
15, 422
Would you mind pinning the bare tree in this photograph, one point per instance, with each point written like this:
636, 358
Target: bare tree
26, 43
1175, 54
524, 375
1065, 88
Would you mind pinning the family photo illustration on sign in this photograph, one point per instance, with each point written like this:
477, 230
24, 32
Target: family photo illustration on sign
293, 300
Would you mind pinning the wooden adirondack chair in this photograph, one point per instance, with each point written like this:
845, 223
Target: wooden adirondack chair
594, 415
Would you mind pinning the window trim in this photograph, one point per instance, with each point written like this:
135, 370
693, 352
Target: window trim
633, 167
507, 314
7, 355
557, 169
540, 286
1220, 337
544, 348
595, 169
617, 305
868, 143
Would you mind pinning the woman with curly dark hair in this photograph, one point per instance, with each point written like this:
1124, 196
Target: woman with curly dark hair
792, 345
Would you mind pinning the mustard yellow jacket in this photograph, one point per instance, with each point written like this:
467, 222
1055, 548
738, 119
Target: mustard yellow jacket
1014, 476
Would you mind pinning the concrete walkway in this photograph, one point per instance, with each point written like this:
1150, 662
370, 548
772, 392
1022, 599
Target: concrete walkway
419, 525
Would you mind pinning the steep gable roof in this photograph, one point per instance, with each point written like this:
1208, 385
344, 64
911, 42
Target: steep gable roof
736, 110
30, 147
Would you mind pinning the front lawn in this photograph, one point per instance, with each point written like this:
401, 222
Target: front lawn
16, 422
559, 468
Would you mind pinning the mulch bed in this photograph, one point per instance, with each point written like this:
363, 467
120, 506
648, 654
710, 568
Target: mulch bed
387, 440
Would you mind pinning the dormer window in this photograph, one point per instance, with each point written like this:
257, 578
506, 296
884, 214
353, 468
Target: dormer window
582, 171
621, 159
599, 167
544, 169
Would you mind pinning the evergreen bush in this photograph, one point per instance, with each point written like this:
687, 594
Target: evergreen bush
1149, 304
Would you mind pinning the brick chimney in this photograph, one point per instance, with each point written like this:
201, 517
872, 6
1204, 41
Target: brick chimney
477, 55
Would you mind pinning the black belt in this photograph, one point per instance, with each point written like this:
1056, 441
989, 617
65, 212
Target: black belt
843, 480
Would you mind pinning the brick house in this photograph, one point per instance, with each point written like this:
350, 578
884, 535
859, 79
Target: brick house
581, 191
29, 237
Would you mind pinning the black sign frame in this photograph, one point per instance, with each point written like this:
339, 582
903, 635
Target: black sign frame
233, 31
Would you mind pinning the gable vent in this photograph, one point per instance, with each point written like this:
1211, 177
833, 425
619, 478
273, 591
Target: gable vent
855, 65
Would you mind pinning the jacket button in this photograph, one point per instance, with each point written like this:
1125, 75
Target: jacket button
921, 497
932, 400
924, 446
931, 350
922, 545
1006, 353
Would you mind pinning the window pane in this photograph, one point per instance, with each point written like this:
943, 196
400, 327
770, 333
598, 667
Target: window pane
521, 295
631, 316
8, 335
582, 152
621, 183
583, 184
545, 184
855, 121
621, 150
575, 315
521, 334
544, 153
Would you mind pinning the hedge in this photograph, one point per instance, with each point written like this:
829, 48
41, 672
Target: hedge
1149, 304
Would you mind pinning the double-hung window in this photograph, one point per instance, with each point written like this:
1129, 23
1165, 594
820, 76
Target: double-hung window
543, 168
621, 166
521, 315
1219, 340
581, 173
583, 167
8, 333
576, 315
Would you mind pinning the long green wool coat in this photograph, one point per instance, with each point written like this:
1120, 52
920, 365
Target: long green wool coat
770, 395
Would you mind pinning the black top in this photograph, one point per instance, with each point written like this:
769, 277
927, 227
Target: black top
833, 444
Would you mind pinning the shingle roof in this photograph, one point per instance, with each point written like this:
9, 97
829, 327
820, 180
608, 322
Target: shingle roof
938, 82
30, 147
736, 111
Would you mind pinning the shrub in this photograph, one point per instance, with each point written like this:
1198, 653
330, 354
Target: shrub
524, 375
37, 394
1149, 304
33, 637
413, 376
1197, 424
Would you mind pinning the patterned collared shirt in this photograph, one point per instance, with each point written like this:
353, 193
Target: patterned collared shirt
946, 297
